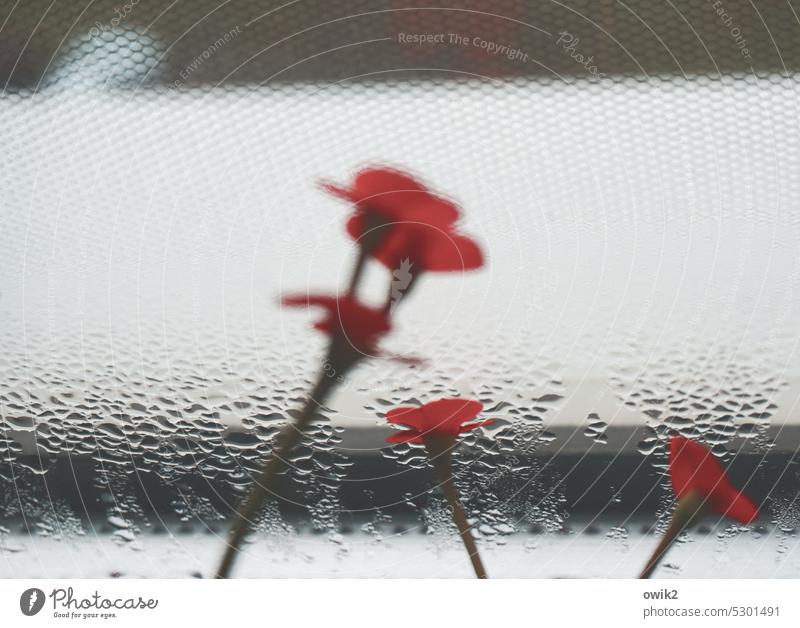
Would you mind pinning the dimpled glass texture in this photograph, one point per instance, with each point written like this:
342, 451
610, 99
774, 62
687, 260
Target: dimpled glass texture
640, 218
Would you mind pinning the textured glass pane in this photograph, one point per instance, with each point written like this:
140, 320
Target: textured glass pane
159, 192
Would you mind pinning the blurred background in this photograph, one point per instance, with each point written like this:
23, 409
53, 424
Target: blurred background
631, 170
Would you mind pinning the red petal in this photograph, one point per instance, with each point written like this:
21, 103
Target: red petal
693, 467
362, 326
440, 417
324, 326
410, 416
399, 243
387, 191
734, 504
336, 190
397, 196
377, 180
432, 210
355, 226
448, 251
447, 415
384, 190
359, 324
428, 247
298, 300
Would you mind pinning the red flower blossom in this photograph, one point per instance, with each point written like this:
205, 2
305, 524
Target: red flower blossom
395, 196
428, 247
413, 222
444, 418
694, 469
360, 325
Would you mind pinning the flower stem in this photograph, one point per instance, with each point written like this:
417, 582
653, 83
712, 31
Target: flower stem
342, 360
688, 509
358, 269
371, 237
439, 454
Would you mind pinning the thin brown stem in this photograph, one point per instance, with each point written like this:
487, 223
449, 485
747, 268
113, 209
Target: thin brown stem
439, 453
373, 228
689, 507
340, 359
358, 270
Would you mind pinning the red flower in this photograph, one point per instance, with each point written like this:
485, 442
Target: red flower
444, 418
361, 326
694, 469
395, 196
414, 223
427, 247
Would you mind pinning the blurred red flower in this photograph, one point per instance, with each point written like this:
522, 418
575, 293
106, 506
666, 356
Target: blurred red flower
414, 223
428, 247
360, 325
694, 469
394, 196
443, 418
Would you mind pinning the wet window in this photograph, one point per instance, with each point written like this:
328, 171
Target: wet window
160, 192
